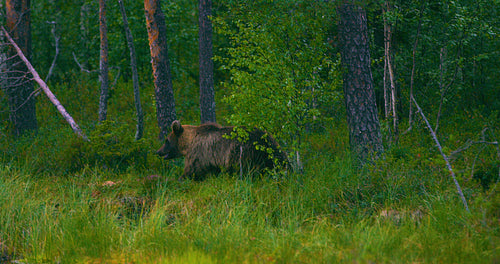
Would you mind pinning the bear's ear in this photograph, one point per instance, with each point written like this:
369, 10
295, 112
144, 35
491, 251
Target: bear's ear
177, 127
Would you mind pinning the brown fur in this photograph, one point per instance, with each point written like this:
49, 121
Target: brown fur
207, 150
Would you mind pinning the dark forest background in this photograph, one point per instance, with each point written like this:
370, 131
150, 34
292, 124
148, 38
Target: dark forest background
458, 43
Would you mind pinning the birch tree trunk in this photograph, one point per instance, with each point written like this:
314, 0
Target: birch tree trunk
135, 75
45, 88
157, 32
390, 92
84, 35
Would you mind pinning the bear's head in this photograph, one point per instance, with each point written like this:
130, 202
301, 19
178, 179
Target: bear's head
176, 143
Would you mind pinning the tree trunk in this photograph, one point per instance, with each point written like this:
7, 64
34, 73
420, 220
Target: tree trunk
385, 84
391, 95
364, 128
44, 86
56, 44
207, 101
165, 105
84, 36
103, 64
3, 62
19, 90
413, 68
135, 75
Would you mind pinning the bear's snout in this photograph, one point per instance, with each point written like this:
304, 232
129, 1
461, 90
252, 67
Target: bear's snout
167, 151
161, 152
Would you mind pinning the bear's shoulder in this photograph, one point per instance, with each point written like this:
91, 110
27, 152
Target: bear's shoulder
208, 127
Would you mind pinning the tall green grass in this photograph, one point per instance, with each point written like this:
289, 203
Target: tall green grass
328, 214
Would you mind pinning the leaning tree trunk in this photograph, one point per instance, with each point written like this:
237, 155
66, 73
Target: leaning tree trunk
207, 101
135, 75
364, 128
43, 85
19, 90
103, 63
157, 32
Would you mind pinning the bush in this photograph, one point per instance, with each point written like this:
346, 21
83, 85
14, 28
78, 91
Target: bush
282, 77
111, 146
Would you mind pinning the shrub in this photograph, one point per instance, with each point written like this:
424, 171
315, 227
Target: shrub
111, 145
282, 77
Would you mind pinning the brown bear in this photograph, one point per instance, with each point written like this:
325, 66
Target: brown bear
209, 148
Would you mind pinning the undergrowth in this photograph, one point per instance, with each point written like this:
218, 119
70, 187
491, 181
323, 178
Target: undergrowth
113, 200
402, 208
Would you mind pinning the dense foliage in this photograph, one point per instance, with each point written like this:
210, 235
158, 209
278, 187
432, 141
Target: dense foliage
112, 200
280, 66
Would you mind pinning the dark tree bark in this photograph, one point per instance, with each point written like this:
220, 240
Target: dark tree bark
364, 128
157, 32
103, 63
207, 101
19, 90
135, 75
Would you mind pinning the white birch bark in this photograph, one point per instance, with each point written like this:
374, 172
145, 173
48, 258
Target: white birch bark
46, 89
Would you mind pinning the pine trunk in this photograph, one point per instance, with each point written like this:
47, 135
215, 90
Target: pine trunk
19, 90
157, 32
364, 128
207, 100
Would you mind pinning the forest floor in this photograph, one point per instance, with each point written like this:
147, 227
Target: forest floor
403, 208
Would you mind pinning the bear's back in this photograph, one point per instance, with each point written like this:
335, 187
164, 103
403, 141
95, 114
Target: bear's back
211, 130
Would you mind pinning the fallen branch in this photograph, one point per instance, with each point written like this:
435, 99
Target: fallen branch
46, 89
81, 67
442, 154
469, 143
